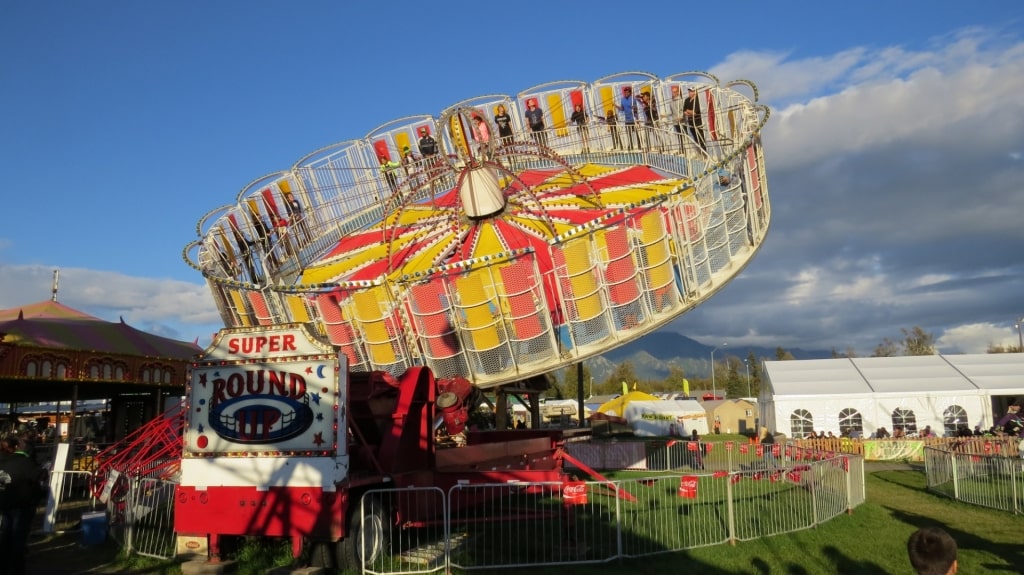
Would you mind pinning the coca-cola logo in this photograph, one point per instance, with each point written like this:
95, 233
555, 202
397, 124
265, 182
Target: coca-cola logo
580, 489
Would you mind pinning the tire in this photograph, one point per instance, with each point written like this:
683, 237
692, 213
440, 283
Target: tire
367, 537
321, 554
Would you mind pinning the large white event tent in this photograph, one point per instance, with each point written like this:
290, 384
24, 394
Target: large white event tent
907, 392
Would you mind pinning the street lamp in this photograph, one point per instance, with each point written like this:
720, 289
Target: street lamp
746, 364
714, 390
1020, 338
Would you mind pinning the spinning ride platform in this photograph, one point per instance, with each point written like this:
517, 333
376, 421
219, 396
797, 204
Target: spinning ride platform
506, 254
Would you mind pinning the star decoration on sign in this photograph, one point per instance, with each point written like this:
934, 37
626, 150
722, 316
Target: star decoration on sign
318, 439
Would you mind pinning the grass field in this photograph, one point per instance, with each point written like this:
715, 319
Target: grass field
870, 540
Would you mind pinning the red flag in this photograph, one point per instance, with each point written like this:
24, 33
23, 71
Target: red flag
756, 476
728, 446
775, 476
691, 446
793, 476
988, 447
776, 450
719, 474
707, 447
688, 486
743, 448
760, 450
846, 464
735, 478
789, 451
671, 442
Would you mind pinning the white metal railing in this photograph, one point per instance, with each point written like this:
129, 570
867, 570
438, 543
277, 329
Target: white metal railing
519, 525
994, 480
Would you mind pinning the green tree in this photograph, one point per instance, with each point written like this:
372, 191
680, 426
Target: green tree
623, 372
674, 380
571, 378
783, 355
736, 385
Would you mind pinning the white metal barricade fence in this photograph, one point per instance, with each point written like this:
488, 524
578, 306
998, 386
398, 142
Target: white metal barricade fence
421, 543
149, 528
514, 525
69, 498
994, 480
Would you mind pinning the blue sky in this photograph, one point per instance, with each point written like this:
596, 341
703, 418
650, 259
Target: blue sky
893, 152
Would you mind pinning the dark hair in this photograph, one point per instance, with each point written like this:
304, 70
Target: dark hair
932, 551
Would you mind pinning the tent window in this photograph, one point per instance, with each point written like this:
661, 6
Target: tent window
30, 368
953, 418
904, 422
850, 420
801, 423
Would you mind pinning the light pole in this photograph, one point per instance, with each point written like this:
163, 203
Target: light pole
1020, 338
746, 364
714, 390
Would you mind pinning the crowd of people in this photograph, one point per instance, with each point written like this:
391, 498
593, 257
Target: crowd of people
644, 128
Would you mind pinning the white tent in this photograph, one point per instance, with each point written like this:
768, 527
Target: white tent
941, 391
662, 417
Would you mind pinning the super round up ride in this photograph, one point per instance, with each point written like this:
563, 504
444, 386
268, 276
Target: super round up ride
500, 259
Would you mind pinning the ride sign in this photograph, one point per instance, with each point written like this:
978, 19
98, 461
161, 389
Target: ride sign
271, 391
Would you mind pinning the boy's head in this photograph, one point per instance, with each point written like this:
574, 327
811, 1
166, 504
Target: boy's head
932, 551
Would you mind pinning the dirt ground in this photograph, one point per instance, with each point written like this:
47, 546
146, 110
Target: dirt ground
64, 555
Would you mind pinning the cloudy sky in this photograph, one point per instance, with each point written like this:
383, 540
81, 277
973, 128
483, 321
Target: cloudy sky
894, 149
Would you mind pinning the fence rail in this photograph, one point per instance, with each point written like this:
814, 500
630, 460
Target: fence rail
994, 480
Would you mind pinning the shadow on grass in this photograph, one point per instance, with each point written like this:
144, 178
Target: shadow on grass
1011, 553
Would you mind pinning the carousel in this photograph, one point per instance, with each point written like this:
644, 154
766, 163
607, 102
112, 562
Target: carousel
508, 235
91, 379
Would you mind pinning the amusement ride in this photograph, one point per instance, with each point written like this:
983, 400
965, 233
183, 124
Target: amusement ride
508, 236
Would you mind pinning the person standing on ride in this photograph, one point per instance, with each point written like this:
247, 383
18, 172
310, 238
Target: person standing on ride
535, 119
387, 167
610, 120
629, 113
504, 122
21, 492
482, 135
650, 117
579, 117
427, 145
693, 118
678, 117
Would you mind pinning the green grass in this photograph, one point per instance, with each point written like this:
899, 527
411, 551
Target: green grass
870, 540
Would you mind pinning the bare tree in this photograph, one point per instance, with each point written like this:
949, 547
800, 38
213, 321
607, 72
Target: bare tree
887, 348
916, 341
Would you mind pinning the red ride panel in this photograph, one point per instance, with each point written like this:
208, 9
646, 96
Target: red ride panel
276, 512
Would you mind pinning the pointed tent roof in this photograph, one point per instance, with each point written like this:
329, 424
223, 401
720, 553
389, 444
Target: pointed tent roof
53, 325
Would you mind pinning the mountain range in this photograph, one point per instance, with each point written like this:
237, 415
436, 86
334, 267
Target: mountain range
654, 355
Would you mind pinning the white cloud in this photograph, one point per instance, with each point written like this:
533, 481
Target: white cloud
171, 308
